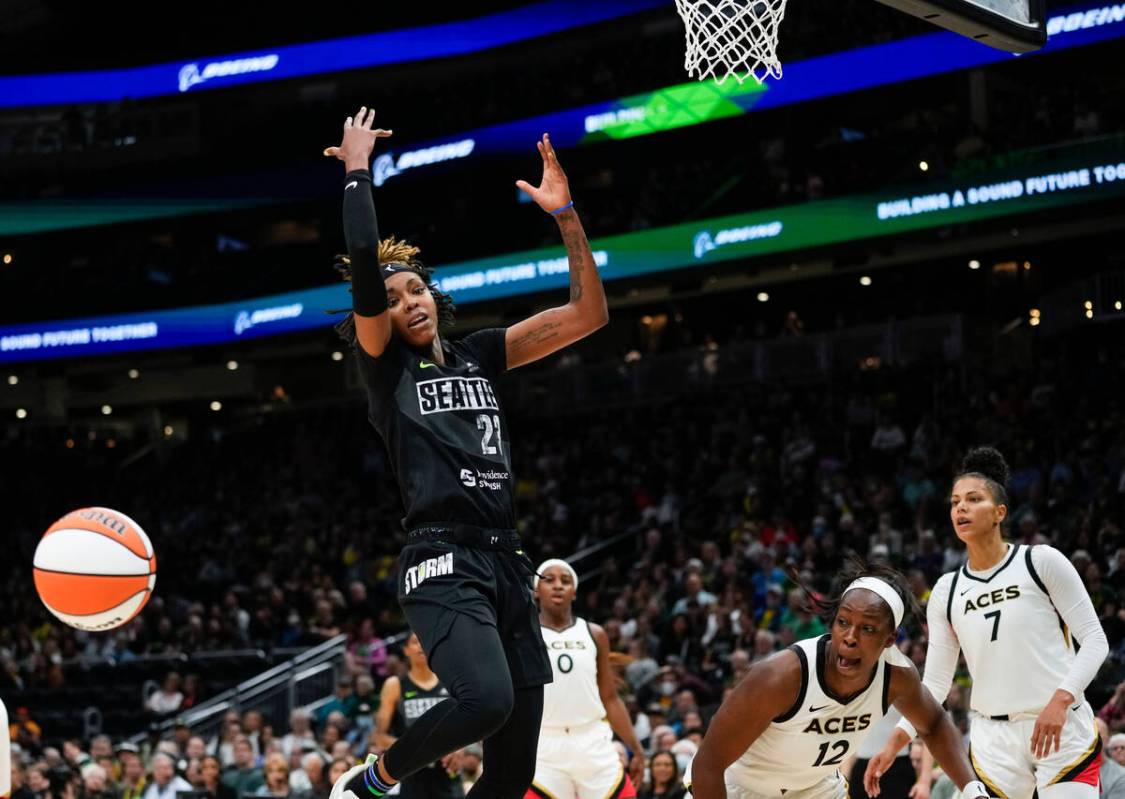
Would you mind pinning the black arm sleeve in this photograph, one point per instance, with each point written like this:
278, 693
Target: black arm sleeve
361, 232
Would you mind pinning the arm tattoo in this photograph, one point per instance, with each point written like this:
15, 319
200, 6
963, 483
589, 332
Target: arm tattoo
577, 251
545, 332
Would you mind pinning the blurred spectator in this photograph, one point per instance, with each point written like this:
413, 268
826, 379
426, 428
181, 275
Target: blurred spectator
343, 702
664, 778
243, 777
1112, 773
1113, 711
277, 777
165, 782
211, 770
133, 780
23, 730
300, 732
167, 698
472, 759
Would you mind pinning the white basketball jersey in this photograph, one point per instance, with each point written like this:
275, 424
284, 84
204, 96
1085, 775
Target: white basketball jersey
573, 698
1007, 625
810, 741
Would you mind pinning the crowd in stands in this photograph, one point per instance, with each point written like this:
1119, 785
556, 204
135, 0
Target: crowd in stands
285, 532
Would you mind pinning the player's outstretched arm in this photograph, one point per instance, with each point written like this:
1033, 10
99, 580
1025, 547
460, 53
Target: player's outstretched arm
361, 231
767, 691
615, 710
388, 698
547, 332
935, 726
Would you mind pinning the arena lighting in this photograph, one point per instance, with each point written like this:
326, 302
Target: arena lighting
924, 166
1088, 305
7, 258
70, 443
107, 410
646, 320
1089, 314
1034, 313
974, 264
1117, 305
1034, 321
337, 355
134, 374
216, 405
13, 380
1026, 265
168, 430
232, 365
763, 296
865, 280
21, 413
110, 443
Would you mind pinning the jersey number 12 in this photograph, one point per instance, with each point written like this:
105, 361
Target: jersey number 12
490, 441
839, 749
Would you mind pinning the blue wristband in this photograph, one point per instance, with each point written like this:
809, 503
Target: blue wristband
558, 211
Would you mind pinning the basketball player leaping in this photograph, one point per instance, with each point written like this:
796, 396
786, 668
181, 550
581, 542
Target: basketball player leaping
404, 700
796, 715
1011, 609
464, 581
581, 708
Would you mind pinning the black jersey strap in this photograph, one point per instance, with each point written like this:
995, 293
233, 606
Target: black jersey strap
1034, 574
949, 603
1067, 637
792, 711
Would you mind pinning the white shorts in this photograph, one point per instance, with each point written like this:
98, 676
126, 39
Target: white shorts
1000, 752
739, 786
579, 764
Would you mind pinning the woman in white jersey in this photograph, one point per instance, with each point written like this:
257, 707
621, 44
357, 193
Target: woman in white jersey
1012, 610
581, 708
788, 725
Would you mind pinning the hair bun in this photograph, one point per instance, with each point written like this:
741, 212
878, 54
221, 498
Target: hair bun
987, 461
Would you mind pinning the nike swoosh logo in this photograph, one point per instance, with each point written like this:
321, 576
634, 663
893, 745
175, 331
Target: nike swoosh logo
351, 185
815, 709
967, 590
411, 694
424, 365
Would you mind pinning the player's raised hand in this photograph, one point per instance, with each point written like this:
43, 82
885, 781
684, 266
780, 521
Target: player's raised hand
359, 140
552, 193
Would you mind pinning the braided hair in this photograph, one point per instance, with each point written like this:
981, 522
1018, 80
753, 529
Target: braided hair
400, 253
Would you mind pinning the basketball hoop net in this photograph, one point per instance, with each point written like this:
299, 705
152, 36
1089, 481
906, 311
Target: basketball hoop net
732, 37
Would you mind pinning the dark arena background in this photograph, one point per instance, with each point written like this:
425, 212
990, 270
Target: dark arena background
823, 291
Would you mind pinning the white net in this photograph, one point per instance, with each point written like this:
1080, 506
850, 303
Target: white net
732, 37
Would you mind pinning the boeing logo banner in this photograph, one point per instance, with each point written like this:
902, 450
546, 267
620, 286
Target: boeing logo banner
698, 102
315, 58
1078, 174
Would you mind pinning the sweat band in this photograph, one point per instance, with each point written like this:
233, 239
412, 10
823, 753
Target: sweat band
885, 591
555, 562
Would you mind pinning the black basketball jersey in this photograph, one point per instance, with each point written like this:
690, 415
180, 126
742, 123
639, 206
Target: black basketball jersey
445, 430
414, 700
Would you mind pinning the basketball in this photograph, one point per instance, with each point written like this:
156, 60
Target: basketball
95, 569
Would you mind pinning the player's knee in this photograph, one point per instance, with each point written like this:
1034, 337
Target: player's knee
490, 704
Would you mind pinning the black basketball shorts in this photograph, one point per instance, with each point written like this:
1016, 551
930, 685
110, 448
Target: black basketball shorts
481, 573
